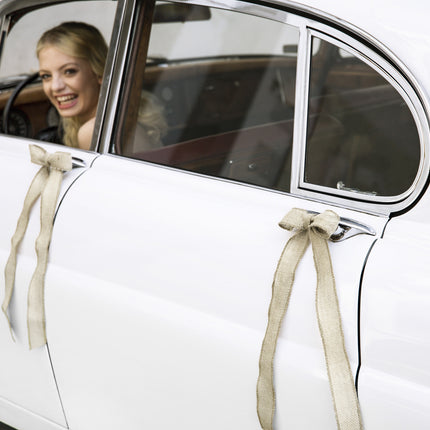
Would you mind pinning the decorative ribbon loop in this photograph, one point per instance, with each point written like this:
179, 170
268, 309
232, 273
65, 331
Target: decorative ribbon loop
47, 184
58, 160
316, 229
325, 224
296, 220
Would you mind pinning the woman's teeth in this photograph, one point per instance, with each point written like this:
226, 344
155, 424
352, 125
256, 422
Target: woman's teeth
65, 99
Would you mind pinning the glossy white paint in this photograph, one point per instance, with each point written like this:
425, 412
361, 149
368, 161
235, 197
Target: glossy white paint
395, 375
162, 302
26, 378
23, 419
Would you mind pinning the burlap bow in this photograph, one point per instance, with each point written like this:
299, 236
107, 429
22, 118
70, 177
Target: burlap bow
46, 184
316, 229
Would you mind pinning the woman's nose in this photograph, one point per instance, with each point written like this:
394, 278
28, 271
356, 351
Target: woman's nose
57, 83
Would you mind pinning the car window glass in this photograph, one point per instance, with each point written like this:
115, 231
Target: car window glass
32, 115
361, 134
216, 96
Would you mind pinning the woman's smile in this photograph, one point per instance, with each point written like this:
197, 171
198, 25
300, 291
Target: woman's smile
66, 101
69, 83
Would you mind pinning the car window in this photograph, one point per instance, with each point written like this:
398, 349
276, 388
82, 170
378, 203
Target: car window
216, 96
31, 114
361, 135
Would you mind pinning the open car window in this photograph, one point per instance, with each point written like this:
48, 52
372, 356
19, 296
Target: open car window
31, 113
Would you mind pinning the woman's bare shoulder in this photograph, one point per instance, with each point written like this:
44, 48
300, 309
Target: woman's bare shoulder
85, 134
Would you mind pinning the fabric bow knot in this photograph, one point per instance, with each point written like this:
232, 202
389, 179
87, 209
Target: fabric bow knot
316, 229
324, 224
46, 184
58, 160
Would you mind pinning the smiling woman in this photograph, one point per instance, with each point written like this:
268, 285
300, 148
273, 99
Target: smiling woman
71, 63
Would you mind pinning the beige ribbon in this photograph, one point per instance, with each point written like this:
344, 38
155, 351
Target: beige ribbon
316, 229
46, 184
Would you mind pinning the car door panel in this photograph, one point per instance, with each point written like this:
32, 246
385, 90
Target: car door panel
26, 378
169, 301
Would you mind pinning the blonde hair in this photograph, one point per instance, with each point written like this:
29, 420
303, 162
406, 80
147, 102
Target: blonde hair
151, 118
83, 41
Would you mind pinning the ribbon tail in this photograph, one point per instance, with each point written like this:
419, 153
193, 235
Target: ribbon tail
36, 295
342, 387
32, 195
281, 291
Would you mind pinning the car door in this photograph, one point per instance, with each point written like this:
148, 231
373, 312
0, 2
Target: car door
172, 312
206, 146
29, 397
28, 389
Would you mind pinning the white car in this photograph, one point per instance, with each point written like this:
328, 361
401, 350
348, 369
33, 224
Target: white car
166, 241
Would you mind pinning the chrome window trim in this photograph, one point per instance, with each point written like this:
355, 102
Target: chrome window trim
114, 70
291, 13
382, 205
301, 105
248, 8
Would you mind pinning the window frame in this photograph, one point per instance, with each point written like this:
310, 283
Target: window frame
379, 205
345, 37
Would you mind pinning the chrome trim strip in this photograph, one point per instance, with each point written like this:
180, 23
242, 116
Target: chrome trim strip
248, 8
5, 21
301, 106
116, 68
108, 78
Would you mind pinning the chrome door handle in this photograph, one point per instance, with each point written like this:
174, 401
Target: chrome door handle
77, 162
349, 228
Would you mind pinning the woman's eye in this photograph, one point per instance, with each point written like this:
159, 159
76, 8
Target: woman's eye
70, 72
44, 76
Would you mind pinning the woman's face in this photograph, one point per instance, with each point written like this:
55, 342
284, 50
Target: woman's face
70, 84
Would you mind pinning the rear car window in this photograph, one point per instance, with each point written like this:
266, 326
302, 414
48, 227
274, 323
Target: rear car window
361, 134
